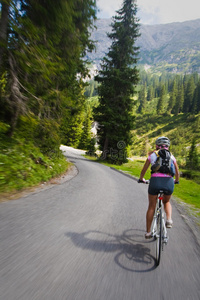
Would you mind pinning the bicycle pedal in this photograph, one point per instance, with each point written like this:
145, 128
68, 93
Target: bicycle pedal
165, 240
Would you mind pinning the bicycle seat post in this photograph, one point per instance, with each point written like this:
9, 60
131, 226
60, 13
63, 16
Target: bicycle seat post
160, 196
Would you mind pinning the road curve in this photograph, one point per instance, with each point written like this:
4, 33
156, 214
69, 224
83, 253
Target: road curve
83, 239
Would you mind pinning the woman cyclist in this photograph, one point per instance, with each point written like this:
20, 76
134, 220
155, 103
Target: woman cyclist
159, 181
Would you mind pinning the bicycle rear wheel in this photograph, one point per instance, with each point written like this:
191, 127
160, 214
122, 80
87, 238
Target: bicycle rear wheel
159, 238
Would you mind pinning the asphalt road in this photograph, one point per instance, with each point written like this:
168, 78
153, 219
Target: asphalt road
83, 239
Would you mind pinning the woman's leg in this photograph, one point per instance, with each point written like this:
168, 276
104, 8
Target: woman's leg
150, 211
167, 206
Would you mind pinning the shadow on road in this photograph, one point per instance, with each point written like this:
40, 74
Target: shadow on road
132, 253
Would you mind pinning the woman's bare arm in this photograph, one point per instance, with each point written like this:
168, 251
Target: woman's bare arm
144, 169
177, 172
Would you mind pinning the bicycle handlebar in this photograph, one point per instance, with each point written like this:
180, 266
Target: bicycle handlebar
143, 181
147, 181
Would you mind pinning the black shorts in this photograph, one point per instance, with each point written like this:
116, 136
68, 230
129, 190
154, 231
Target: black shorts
161, 183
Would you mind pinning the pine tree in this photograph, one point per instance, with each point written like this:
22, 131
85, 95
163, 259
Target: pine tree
118, 78
86, 136
189, 93
196, 99
142, 99
4, 21
173, 95
150, 93
179, 99
160, 106
192, 161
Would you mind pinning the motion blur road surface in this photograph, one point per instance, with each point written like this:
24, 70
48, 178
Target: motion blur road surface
83, 239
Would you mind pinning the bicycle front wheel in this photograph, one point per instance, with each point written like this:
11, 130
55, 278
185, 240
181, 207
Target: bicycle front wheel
159, 238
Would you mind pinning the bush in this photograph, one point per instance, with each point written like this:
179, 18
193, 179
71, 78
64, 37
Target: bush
23, 165
91, 148
192, 161
3, 129
191, 174
47, 137
27, 127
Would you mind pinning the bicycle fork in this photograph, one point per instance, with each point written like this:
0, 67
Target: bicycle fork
154, 226
164, 230
154, 223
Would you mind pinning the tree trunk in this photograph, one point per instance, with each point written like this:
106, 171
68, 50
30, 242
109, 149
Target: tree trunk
3, 28
105, 148
16, 99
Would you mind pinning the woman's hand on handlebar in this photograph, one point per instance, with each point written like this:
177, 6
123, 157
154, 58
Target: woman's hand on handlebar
143, 181
176, 182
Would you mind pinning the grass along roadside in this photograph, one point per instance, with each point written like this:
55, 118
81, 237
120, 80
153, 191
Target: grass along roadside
23, 166
187, 191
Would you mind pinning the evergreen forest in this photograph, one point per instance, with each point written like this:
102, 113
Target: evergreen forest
168, 104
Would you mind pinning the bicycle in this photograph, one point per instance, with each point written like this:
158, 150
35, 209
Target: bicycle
158, 228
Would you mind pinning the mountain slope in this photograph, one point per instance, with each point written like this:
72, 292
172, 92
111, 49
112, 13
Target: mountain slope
173, 47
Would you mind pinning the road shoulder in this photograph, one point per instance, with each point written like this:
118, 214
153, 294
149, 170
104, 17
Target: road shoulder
68, 175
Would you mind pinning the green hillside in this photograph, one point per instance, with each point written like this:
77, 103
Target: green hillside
181, 130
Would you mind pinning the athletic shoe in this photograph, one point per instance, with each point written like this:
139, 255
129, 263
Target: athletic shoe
169, 223
148, 235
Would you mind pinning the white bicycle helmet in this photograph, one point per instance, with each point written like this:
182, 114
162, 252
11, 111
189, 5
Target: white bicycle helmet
161, 141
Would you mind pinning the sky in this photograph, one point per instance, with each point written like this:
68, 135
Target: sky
155, 11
